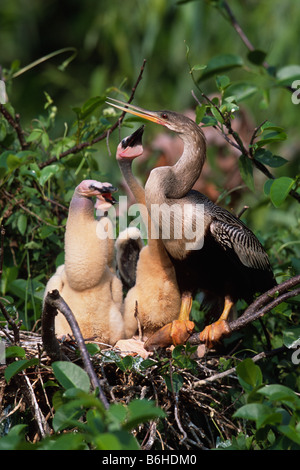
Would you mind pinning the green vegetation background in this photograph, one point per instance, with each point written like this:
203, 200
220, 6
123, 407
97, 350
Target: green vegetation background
112, 39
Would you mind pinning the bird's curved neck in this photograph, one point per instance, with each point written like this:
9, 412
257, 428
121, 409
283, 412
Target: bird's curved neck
174, 182
135, 187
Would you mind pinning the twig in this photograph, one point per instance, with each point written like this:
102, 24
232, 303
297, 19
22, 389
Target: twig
2, 233
15, 123
77, 148
242, 34
232, 370
39, 417
54, 302
12, 323
241, 147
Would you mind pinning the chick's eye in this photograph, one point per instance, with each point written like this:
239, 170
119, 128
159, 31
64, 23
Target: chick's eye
164, 115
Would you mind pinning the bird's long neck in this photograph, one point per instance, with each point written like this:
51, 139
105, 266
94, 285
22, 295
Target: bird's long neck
174, 182
135, 187
155, 244
85, 254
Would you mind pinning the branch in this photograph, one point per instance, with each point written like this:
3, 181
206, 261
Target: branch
15, 123
54, 302
11, 322
231, 371
242, 34
241, 147
261, 305
77, 148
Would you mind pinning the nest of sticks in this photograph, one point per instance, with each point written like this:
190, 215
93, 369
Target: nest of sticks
196, 414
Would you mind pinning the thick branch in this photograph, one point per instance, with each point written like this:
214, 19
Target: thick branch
54, 302
261, 305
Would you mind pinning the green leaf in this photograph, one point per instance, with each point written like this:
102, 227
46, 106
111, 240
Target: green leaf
140, 411
22, 223
267, 187
66, 415
273, 136
246, 170
291, 337
286, 75
14, 351
70, 375
240, 90
209, 121
17, 366
174, 384
13, 162
290, 432
217, 114
68, 441
13, 438
280, 189
89, 107
222, 82
249, 374
200, 111
267, 158
2, 131
47, 172
278, 392
221, 63
256, 57
260, 413
35, 135
119, 440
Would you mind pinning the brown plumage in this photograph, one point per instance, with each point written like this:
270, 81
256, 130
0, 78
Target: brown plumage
228, 260
155, 292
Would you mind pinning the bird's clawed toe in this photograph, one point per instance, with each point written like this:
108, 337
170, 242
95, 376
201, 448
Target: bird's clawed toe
213, 333
176, 332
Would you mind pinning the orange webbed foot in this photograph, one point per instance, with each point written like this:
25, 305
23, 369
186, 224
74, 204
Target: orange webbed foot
177, 332
213, 333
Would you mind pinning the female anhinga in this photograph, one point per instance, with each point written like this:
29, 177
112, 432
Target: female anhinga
86, 281
231, 263
156, 291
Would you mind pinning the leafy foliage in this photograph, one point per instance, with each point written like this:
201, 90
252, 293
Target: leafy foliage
43, 158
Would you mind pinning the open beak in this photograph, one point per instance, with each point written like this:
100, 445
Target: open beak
105, 194
136, 111
134, 139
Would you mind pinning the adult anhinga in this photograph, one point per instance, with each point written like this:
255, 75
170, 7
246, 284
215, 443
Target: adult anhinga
231, 263
86, 281
156, 291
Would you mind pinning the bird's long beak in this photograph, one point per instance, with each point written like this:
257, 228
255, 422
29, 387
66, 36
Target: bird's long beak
137, 111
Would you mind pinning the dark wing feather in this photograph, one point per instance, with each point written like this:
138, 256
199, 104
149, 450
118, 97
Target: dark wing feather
128, 252
234, 236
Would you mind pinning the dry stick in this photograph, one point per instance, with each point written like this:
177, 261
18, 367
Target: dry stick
77, 148
261, 305
39, 417
54, 302
221, 375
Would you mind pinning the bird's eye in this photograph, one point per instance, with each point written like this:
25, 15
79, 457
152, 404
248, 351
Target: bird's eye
124, 143
164, 115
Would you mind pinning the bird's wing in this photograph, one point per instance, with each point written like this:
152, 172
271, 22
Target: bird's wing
128, 251
233, 235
